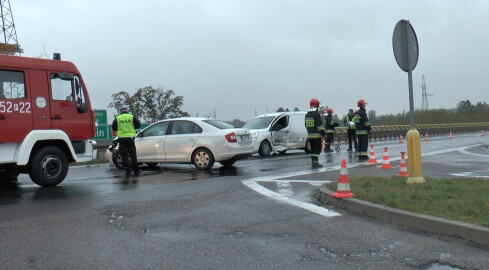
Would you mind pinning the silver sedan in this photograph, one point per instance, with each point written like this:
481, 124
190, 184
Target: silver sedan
199, 141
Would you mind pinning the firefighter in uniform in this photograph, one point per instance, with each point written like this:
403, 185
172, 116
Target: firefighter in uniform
315, 131
126, 124
350, 128
362, 129
329, 125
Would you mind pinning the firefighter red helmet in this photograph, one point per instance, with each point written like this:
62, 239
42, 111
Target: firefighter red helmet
329, 111
361, 103
314, 103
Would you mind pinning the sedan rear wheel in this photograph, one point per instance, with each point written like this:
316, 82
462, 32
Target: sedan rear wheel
203, 159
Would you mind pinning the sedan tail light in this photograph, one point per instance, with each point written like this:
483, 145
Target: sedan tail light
231, 137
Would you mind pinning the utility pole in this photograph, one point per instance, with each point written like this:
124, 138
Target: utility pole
8, 43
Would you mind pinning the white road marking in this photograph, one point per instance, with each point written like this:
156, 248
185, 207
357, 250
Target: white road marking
253, 184
285, 188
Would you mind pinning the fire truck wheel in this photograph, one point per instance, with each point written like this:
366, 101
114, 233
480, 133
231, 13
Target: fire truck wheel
49, 166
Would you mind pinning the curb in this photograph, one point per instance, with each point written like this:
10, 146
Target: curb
471, 232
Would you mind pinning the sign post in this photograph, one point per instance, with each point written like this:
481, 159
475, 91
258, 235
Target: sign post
406, 52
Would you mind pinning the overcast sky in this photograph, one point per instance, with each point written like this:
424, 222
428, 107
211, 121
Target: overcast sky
253, 56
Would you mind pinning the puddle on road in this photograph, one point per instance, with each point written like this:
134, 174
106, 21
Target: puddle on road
437, 266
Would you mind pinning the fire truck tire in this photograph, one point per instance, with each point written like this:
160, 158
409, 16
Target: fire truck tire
49, 166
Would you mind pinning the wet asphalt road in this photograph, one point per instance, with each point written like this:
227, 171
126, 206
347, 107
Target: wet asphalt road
176, 217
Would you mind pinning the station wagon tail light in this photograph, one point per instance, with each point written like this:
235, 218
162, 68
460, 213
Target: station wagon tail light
231, 137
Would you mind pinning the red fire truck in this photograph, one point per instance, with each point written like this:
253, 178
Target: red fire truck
46, 119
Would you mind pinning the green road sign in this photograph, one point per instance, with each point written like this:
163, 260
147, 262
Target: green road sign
101, 117
101, 133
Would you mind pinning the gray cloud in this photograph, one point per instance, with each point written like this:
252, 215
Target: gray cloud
242, 56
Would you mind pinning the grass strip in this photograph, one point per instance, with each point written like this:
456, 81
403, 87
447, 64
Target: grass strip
462, 199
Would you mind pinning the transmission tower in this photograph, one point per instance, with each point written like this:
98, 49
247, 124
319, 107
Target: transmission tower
424, 94
8, 43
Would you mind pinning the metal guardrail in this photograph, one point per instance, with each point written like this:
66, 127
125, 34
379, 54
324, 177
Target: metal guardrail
394, 131
388, 132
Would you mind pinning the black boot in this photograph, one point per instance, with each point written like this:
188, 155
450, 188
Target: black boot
315, 163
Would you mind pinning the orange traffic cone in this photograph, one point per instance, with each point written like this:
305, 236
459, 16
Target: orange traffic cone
426, 137
451, 136
371, 156
482, 133
403, 172
400, 139
343, 189
385, 161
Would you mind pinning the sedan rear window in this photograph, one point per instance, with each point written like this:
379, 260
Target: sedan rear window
218, 124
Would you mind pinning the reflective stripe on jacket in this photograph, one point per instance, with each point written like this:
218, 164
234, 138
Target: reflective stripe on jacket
314, 125
329, 124
348, 120
361, 122
125, 126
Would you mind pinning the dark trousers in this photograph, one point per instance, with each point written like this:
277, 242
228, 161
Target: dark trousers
362, 145
316, 147
352, 137
329, 140
127, 148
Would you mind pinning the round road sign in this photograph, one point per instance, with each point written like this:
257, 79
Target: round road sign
405, 45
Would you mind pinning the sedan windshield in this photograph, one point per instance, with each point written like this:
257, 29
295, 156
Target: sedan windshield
259, 123
218, 124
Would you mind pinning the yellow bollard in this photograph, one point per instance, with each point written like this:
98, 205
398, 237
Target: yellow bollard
414, 157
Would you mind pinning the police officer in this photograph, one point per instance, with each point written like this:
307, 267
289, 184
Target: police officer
362, 129
126, 124
350, 128
315, 131
329, 125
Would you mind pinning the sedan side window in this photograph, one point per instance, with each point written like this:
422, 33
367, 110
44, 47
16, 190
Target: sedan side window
158, 129
185, 127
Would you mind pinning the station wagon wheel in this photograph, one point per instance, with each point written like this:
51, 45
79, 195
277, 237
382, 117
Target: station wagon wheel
307, 148
203, 159
265, 148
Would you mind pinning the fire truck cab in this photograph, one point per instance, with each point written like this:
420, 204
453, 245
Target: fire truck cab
46, 119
